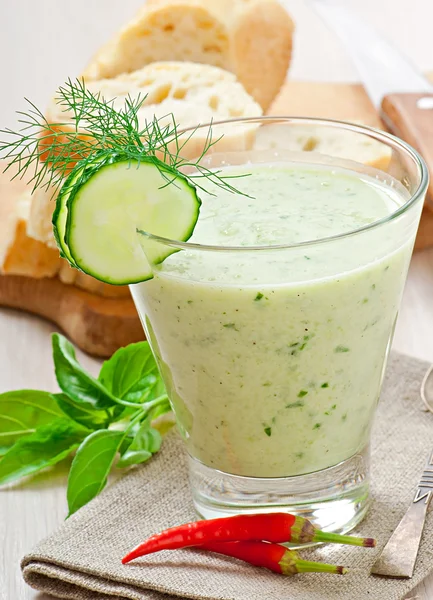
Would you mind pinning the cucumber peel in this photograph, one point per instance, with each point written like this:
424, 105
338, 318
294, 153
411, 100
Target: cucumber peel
78, 176
103, 204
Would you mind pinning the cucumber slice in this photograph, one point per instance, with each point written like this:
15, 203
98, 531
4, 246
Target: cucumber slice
98, 219
60, 214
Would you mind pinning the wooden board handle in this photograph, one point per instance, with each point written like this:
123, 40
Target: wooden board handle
410, 116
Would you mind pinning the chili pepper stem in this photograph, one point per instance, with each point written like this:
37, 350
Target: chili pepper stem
336, 538
304, 532
290, 563
307, 566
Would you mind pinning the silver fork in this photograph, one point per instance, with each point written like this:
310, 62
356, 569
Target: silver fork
398, 558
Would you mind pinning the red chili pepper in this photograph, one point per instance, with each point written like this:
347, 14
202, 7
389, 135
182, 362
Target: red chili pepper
271, 527
271, 556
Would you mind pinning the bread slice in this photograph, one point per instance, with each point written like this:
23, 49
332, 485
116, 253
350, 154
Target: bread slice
192, 92
251, 38
39, 226
341, 101
325, 141
72, 276
20, 254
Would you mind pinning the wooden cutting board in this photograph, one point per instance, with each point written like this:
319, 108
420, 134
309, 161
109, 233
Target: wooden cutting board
100, 325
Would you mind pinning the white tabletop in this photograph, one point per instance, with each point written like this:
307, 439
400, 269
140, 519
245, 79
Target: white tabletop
42, 42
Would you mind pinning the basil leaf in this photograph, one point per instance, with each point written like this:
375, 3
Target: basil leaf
131, 373
47, 446
157, 390
75, 381
22, 412
148, 438
91, 466
133, 457
161, 409
147, 441
79, 412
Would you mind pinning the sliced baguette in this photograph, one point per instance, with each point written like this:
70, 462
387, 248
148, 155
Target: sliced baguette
325, 141
23, 255
193, 93
36, 228
83, 281
251, 38
20, 254
39, 226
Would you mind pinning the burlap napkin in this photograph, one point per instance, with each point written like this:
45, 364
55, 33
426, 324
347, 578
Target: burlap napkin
82, 559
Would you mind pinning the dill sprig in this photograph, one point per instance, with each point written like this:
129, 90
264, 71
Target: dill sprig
48, 152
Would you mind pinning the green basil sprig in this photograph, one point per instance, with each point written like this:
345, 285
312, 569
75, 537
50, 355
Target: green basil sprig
91, 466
99, 418
22, 412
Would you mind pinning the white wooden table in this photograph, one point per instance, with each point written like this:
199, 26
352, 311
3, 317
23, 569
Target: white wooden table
41, 43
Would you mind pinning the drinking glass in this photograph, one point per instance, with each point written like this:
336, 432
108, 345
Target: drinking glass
274, 378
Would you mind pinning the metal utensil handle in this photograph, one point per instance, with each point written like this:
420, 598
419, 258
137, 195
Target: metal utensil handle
398, 558
425, 486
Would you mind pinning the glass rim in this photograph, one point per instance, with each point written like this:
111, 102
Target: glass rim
389, 139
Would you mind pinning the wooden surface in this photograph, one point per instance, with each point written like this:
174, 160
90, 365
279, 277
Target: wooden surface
29, 28
410, 116
97, 325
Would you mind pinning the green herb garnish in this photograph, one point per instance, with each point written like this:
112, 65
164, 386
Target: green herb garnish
98, 417
340, 349
258, 297
328, 412
302, 393
230, 326
268, 431
93, 127
296, 404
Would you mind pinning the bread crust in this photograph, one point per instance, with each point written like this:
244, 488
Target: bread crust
192, 93
251, 38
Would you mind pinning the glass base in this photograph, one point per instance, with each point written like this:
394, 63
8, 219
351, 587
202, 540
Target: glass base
334, 499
